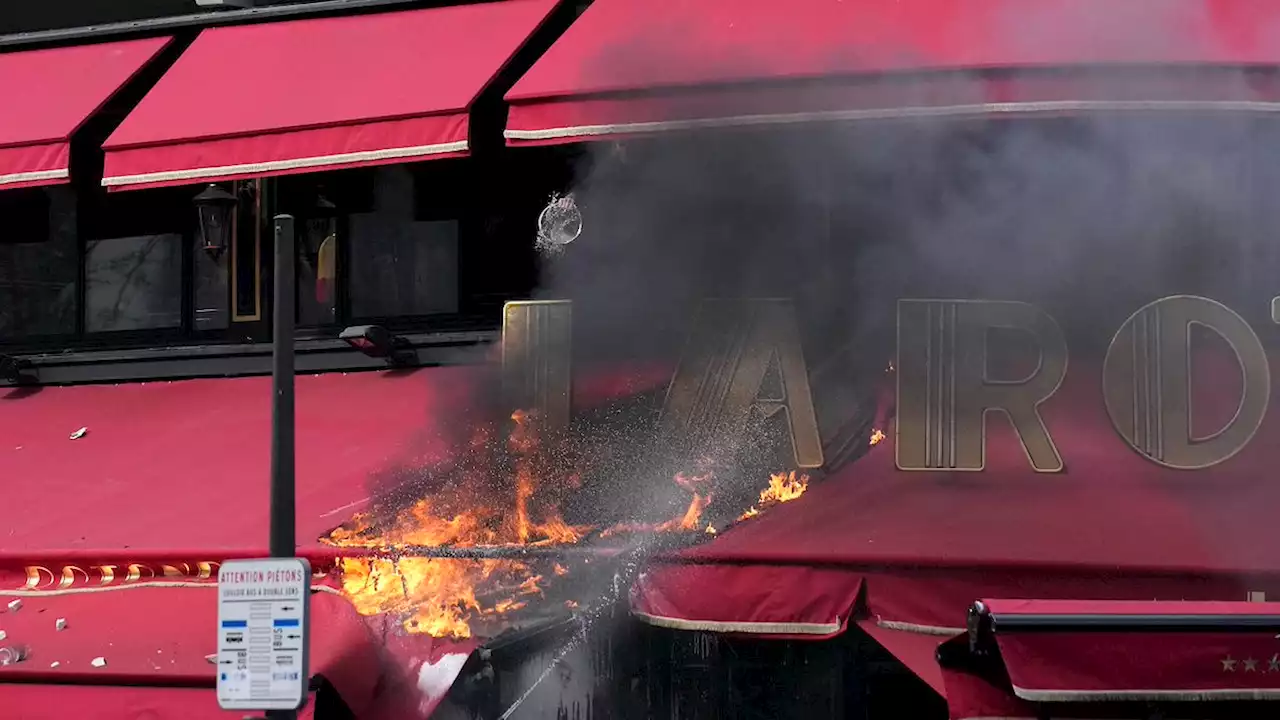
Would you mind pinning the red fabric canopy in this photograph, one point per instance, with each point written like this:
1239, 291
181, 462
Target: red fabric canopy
1063, 651
631, 67
160, 636
49, 95
59, 702
172, 465
907, 553
120, 531
327, 93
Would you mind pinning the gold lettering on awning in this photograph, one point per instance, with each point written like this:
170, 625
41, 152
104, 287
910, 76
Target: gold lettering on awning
537, 359
945, 392
1146, 382
734, 348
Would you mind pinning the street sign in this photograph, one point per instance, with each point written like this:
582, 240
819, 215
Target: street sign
263, 637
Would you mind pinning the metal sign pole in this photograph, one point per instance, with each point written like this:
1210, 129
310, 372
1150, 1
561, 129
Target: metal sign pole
283, 512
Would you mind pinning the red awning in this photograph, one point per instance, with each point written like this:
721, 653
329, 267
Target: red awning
765, 599
316, 94
184, 465
159, 636
907, 553
628, 67
120, 530
49, 94
59, 702
1071, 651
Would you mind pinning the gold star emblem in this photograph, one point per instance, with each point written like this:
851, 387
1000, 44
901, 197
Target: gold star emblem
1228, 664
1250, 665
1273, 665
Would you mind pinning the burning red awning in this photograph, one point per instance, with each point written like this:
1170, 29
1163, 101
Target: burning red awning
905, 553
60, 89
630, 68
130, 496
315, 94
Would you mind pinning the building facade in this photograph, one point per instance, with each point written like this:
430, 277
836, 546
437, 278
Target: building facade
713, 441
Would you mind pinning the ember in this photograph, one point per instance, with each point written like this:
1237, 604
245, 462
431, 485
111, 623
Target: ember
876, 436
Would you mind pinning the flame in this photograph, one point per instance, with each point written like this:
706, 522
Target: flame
876, 436
445, 597
783, 487
442, 597
699, 485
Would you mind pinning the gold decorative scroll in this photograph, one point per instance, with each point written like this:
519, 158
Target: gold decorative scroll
40, 577
537, 358
733, 348
945, 393
1146, 382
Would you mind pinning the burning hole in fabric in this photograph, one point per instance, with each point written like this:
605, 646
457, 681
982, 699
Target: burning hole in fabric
479, 554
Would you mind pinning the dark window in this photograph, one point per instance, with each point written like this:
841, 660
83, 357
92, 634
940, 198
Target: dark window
368, 249
38, 263
133, 283
317, 251
402, 266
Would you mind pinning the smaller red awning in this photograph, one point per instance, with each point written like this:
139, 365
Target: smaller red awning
628, 67
1077, 650
316, 94
780, 601
157, 637
49, 94
59, 702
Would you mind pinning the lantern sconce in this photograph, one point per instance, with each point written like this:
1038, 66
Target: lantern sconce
215, 209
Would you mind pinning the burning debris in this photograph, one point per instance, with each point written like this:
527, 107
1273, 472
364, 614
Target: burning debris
457, 562
442, 596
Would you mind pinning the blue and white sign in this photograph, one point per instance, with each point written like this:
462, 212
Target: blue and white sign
263, 635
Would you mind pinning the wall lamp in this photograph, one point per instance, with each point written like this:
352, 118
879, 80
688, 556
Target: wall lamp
215, 209
376, 341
